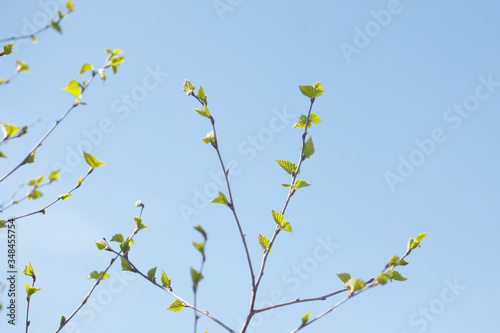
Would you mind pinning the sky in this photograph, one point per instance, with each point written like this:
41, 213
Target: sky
406, 146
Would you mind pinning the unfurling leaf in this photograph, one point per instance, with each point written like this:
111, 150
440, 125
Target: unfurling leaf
200, 229
30, 291
56, 26
280, 220
203, 112
30, 158
63, 320
309, 148
34, 195
117, 238
85, 67
28, 270
263, 242
196, 276
74, 89
21, 66
53, 176
313, 119
312, 91
65, 196
101, 245
165, 281
70, 6
7, 49
305, 319
188, 87
126, 265
8, 130
210, 137
355, 285
201, 95
176, 306
92, 161
200, 247
221, 199
138, 223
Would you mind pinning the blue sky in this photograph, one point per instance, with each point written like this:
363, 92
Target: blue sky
407, 145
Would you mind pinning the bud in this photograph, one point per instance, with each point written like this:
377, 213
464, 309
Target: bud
139, 203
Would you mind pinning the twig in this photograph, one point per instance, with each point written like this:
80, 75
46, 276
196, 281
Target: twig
75, 104
231, 204
291, 191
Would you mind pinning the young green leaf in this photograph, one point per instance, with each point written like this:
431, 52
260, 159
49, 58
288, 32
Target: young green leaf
288, 166
102, 74
151, 274
263, 242
92, 161
2, 155
7, 49
28, 270
200, 229
312, 91
196, 276
8, 130
309, 148
95, 275
36, 182
53, 176
313, 119
355, 285
34, 195
280, 220
56, 26
138, 223
210, 137
21, 66
176, 306
65, 196
30, 291
305, 319
395, 275
201, 95
382, 278
344, 277
200, 247
165, 281
420, 237
63, 320
188, 87
117, 238
74, 89
125, 246
30, 158
221, 199
2, 224
85, 67
126, 265
69, 6
101, 245
203, 112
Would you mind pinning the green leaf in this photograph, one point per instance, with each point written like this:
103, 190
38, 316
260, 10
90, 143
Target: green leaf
151, 274
56, 26
36, 182
35, 195
8, 130
54, 176
28, 270
420, 237
288, 166
117, 238
176, 306
30, 291
63, 320
7, 49
200, 247
138, 223
203, 112
74, 89
80, 180
116, 61
114, 52
200, 229
201, 95
165, 281
85, 67
196, 276
263, 242
101, 245
21, 66
65, 196
395, 275
298, 184
309, 147
305, 319
313, 119
33, 39
312, 91
95, 275
382, 278
355, 285
92, 161
210, 137
280, 220
221, 199
2, 224
2, 81
70, 6
344, 277
2, 155
30, 158
125, 246
188, 87
126, 265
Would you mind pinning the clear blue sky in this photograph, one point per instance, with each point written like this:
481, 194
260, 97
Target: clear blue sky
408, 144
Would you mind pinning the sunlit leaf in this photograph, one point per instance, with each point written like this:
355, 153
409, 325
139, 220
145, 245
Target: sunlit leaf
92, 161
176, 306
